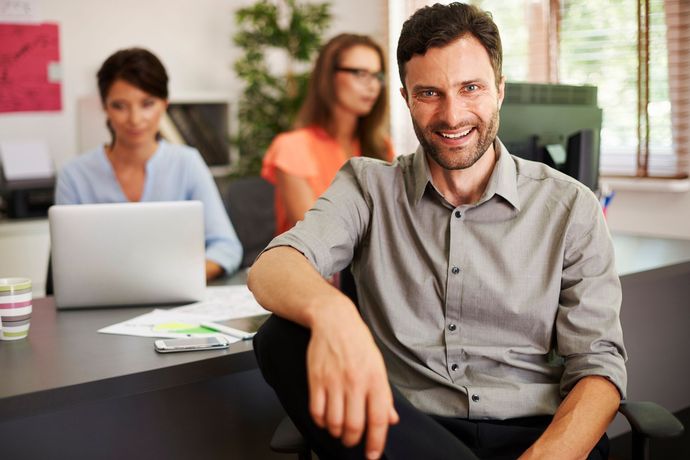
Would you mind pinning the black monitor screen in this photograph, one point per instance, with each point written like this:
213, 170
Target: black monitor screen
546, 123
581, 162
204, 126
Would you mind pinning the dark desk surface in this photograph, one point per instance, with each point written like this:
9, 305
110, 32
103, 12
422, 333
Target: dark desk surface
64, 361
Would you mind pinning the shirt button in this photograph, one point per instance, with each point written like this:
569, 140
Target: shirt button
452, 327
455, 270
458, 214
454, 367
475, 398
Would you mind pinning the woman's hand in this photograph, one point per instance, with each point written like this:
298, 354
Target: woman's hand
213, 270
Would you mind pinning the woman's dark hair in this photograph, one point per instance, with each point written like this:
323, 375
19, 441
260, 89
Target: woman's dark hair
136, 66
438, 25
317, 108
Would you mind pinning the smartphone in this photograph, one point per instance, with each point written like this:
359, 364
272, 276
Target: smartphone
212, 342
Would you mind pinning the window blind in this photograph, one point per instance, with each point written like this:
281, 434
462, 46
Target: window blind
677, 14
597, 45
594, 42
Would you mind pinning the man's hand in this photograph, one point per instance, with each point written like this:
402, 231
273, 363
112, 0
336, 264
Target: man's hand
348, 385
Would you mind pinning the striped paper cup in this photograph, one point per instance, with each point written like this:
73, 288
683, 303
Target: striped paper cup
15, 308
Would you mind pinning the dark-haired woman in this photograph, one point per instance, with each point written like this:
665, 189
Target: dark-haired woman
138, 165
343, 116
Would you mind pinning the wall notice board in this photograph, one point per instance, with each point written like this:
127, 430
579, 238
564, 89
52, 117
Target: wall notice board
29, 68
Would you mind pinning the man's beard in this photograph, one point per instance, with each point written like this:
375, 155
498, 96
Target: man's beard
457, 158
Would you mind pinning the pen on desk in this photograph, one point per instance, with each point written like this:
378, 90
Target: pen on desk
228, 330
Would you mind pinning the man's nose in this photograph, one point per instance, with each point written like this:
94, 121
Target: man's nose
452, 110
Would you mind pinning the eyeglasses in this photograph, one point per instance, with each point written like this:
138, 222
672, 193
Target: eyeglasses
363, 75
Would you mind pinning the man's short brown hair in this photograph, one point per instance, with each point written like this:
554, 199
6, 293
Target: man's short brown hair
438, 25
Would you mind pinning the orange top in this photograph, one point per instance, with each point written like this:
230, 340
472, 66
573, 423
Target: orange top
310, 153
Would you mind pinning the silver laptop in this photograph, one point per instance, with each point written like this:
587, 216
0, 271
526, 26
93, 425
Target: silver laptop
127, 253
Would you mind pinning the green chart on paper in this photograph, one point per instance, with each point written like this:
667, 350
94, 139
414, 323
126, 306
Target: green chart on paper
181, 328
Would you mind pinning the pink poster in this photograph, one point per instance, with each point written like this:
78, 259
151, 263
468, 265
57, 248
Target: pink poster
29, 68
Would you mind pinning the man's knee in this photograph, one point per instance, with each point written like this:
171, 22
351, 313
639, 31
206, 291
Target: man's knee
280, 346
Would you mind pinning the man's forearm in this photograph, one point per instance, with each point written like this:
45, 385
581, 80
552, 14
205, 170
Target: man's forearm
349, 392
579, 422
284, 282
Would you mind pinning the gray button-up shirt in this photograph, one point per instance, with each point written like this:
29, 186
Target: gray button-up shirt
490, 310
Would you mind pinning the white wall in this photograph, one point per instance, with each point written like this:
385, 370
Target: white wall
192, 38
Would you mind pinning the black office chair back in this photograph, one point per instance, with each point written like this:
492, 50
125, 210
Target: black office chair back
49, 276
249, 202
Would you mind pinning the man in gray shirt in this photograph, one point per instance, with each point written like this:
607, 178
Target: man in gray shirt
488, 316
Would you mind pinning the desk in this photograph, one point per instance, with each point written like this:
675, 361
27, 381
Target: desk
69, 392
56, 386
640, 254
655, 314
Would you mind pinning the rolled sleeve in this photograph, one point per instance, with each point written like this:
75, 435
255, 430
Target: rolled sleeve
331, 230
589, 332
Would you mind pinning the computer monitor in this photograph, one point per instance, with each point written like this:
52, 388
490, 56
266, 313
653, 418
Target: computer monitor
581, 161
203, 125
558, 125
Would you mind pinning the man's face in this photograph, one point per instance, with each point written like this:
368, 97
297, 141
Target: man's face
453, 100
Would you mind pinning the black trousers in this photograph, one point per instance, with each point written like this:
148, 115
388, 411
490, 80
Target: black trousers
280, 348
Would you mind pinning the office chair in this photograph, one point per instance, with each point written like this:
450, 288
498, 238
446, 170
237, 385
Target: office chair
49, 276
249, 204
288, 440
648, 420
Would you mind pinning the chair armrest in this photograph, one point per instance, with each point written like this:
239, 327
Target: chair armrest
650, 419
287, 438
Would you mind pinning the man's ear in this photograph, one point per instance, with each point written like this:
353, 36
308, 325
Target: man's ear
501, 91
403, 93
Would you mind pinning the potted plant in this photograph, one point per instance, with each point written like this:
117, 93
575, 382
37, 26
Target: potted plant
286, 32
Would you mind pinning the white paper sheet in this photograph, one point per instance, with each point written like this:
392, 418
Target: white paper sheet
225, 302
221, 303
20, 11
162, 323
26, 160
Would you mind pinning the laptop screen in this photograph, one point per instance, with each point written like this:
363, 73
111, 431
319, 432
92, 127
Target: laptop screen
116, 254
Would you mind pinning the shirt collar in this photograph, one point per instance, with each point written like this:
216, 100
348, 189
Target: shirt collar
422, 176
503, 180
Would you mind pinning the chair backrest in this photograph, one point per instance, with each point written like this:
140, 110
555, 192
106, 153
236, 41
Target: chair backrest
49, 276
249, 203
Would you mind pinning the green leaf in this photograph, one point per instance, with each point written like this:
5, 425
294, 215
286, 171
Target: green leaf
266, 107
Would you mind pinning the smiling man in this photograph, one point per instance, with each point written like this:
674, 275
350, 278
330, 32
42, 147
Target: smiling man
488, 317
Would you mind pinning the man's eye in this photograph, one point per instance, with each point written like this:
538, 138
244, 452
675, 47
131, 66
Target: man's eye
428, 93
472, 88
